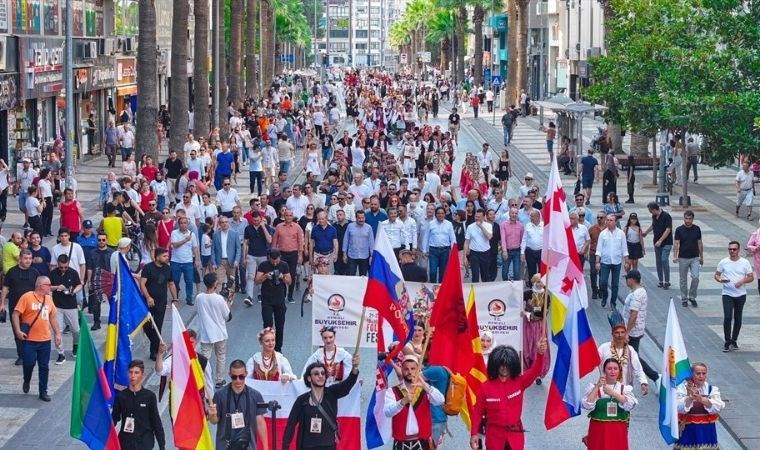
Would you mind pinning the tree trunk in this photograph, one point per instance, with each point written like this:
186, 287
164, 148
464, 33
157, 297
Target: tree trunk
614, 132
461, 24
477, 21
147, 81
251, 83
223, 88
445, 49
179, 94
201, 112
236, 51
512, 89
267, 52
522, 57
639, 145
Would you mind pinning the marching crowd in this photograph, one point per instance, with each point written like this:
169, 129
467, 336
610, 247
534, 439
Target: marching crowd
187, 229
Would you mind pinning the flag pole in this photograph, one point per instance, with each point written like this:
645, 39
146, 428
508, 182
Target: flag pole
545, 298
359, 334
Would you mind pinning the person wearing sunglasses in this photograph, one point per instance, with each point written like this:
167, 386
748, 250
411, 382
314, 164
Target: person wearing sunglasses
316, 411
236, 413
98, 267
734, 273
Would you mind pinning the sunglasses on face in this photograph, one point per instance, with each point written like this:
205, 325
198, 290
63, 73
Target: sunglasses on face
733, 249
237, 377
317, 373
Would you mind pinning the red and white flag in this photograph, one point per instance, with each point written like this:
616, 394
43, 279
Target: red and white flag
349, 415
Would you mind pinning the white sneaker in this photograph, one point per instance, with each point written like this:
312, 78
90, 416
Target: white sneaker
248, 301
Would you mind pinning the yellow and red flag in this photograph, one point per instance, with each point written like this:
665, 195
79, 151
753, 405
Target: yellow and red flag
477, 374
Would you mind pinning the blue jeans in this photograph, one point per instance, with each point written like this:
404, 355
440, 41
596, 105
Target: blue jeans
507, 134
661, 256
361, 264
256, 177
36, 353
160, 202
513, 259
186, 270
439, 258
285, 166
604, 281
125, 152
22, 196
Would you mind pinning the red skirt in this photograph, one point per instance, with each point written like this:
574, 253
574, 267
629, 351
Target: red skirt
607, 435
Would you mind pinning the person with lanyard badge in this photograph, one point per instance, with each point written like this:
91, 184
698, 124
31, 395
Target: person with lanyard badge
236, 412
699, 404
610, 403
34, 315
269, 364
136, 408
316, 411
336, 360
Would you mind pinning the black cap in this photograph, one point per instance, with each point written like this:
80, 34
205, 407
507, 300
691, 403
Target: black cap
274, 253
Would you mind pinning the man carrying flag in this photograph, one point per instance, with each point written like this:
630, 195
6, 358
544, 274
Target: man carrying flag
560, 265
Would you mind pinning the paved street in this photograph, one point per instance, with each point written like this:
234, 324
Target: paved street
23, 416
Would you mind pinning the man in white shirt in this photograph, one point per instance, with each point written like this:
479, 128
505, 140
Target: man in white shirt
744, 194
500, 205
126, 140
432, 180
213, 314
373, 182
319, 121
191, 210
185, 257
73, 250
227, 198
396, 231
477, 246
297, 202
581, 235
25, 179
532, 244
191, 144
195, 164
485, 159
635, 316
342, 205
611, 252
359, 190
734, 273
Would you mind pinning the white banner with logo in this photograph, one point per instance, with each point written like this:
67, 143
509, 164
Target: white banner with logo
337, 302
499, 305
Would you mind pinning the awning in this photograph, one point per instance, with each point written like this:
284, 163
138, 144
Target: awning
126, 90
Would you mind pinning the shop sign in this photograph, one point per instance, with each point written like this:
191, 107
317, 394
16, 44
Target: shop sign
102, 74
126, 71
8, 91
41, 66
82, 79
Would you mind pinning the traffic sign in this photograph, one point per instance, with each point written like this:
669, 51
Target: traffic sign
496, 80
403, 58
426, 56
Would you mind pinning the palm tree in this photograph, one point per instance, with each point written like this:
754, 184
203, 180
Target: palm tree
201, 113
439, 30
251, 86
268, 42
516, 37
179, 89
478, 15
147, 81
235, 79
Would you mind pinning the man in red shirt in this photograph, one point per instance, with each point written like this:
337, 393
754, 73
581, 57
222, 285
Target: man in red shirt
149, 171
72, 214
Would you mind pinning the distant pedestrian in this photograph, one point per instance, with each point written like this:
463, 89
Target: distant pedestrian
635, 317
634, 239
507, 125
662, 228
612, 252
588, 173
753, 246
692, 155
745, 189
734, 273
688, 253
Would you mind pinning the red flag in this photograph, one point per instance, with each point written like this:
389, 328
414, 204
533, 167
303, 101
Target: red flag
450, 342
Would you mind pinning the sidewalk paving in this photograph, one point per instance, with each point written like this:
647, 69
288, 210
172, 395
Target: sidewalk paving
713, 201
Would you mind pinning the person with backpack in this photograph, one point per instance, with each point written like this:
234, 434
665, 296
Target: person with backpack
507, 122
500, 399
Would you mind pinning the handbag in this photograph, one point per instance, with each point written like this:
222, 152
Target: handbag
27, 327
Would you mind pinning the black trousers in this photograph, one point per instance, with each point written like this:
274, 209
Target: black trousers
93, 305
361, 264
292, 259
532, 262
273, 315
732, 309
47, 216
480, 265
158, 311
651, 373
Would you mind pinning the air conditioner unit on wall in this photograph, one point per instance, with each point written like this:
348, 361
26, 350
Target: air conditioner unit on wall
130, 45
593, 51
93, 49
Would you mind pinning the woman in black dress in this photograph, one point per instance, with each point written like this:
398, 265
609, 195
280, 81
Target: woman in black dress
503, 170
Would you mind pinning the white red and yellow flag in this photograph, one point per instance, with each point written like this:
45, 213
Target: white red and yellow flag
185, 404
